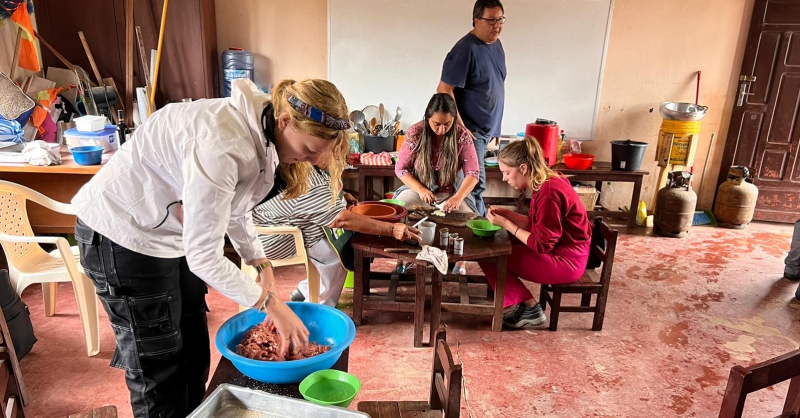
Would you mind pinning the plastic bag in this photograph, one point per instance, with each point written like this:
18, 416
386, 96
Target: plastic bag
571, 146
354, 145
641, 214
11, 131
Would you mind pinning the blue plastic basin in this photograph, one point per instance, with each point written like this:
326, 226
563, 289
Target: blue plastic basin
88, 155
326, 325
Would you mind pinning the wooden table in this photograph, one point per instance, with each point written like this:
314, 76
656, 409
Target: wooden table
367, 247
227, 373
494, 249
601, 172
58, 182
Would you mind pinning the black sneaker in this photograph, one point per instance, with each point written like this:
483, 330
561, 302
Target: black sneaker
789, 276
296, 295
524, 315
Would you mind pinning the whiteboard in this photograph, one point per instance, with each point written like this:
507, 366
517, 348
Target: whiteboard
391, 51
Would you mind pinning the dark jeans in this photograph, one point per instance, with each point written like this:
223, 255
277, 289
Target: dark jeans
158, 310
792, 269
481, 141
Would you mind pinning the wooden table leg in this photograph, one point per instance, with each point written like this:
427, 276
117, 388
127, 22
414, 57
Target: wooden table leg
362, 186
637, 190
388, 186
419, 304
361, 269
499, 294
436, 303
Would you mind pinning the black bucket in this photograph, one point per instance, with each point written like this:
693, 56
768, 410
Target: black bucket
627, 155
378, 144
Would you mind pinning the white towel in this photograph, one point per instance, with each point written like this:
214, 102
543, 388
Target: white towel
435, 256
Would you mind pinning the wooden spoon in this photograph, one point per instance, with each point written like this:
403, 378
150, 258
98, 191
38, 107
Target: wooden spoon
372, 124
380, 106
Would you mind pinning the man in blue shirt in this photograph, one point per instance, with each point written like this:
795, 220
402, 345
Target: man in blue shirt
474, 73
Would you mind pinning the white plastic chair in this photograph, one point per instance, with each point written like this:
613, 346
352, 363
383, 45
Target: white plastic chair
300, 257
28, 263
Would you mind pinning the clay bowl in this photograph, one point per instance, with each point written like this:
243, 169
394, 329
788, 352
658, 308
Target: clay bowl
400, 212
374, 210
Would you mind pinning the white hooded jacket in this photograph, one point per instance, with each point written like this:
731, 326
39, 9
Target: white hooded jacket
210, 155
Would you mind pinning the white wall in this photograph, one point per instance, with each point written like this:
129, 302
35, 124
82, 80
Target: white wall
392, 52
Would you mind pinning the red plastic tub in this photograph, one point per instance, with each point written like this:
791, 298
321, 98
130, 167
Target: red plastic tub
578, 161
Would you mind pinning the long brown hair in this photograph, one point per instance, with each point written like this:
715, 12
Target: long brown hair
324, 96
422, 153
529, 152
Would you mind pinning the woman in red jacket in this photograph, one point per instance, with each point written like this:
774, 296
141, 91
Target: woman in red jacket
551, 244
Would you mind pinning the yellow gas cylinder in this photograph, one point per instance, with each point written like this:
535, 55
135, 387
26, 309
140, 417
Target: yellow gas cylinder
736, 199
675, 206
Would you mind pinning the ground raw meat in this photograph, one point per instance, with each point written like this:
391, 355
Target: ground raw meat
262, 342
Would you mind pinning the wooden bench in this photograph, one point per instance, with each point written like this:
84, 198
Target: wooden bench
590, 284
745, 380
445, 397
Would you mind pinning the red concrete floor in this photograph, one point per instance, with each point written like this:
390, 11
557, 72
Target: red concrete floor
681, 313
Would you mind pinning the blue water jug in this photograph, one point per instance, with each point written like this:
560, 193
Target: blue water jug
235, 64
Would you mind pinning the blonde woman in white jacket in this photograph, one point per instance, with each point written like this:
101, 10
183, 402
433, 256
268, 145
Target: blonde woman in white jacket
152, 224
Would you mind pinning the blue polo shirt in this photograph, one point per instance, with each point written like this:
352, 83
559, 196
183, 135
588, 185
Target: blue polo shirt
478, 72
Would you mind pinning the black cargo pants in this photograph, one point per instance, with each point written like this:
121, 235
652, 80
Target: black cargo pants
157, 310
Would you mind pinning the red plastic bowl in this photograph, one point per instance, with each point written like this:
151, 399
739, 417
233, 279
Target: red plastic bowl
578, 161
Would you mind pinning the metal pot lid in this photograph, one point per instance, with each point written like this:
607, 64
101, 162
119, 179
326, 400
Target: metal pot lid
686, 108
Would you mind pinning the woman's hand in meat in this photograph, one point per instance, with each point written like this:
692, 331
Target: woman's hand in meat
289, 326
404, 232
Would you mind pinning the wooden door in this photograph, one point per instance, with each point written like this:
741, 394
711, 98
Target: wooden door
765, 125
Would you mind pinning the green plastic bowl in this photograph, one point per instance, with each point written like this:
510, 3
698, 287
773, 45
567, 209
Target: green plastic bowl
395, 201
349, 281
483, 228
330, 387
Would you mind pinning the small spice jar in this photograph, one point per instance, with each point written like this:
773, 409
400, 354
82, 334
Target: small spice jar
453, 237
458, 246
444, 238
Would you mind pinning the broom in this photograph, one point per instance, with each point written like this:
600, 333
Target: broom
705, 217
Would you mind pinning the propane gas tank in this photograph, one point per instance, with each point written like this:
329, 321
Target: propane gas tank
736, 199
675, 206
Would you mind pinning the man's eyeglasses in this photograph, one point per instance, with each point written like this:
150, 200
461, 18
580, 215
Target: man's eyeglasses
494, 22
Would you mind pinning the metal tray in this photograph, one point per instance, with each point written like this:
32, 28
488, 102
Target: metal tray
230, 401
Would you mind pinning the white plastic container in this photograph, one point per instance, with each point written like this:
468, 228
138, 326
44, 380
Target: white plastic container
90, 123
106, 138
